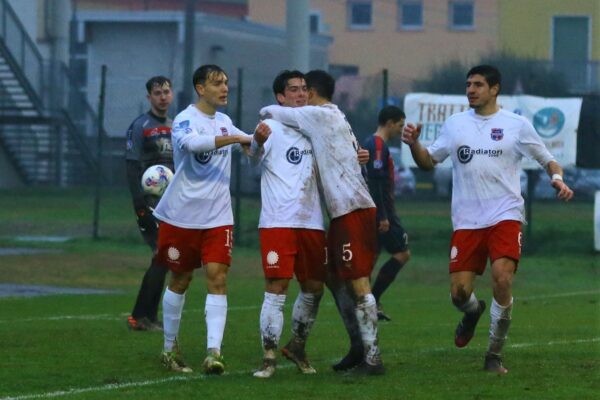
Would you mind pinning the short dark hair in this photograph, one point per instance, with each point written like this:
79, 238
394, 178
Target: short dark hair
204, 72
390, 113
322, 82
159, 81
490, 73
281, 80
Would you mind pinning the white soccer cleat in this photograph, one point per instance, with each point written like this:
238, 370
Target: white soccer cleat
267, 370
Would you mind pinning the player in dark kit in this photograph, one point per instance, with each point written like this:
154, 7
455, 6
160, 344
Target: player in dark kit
391, 235
149, 143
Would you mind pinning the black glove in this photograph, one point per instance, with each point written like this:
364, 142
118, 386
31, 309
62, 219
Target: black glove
146, 220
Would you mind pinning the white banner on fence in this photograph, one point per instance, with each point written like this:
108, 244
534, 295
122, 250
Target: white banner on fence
555, 120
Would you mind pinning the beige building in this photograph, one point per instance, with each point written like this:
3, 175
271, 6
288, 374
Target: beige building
407, 37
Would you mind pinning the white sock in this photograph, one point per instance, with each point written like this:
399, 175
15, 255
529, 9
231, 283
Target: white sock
172, 308
500, 316
215, 313
366, 313
271, 320
304, 314
471, 305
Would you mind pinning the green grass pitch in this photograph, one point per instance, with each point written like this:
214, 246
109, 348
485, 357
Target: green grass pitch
78, 346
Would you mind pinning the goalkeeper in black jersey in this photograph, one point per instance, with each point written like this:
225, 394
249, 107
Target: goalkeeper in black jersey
149, 143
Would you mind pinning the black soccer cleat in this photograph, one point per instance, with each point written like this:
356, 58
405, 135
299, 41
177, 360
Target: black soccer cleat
466, 327
364, 368
351, 360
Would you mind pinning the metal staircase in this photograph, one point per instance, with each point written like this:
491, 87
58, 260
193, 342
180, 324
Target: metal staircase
38, 133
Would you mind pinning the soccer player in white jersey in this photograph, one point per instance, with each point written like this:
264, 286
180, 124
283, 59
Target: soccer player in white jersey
292, 234
486, 145
351, 242
196, 226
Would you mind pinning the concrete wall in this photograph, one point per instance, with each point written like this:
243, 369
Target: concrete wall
135, 51
407, 54
528, 32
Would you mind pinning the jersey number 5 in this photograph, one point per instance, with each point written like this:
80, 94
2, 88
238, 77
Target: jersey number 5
346, 252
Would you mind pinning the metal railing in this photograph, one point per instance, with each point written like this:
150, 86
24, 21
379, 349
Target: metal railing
24, 51
53, 91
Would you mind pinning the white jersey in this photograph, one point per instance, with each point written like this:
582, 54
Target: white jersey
486, 155
335, 147
198, 196
289, 189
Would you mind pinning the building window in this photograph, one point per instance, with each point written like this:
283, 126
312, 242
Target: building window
462, 15
410, 14
360, 14
314, 22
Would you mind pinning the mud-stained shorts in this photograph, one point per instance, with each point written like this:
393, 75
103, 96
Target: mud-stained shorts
352, 244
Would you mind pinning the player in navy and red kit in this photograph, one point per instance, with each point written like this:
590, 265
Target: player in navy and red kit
380, 168
149, 143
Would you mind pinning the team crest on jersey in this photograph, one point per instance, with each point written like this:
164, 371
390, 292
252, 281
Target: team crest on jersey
224, 131
378, 164
497, 134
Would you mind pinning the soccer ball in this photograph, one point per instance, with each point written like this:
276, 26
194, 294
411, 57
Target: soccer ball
156, 179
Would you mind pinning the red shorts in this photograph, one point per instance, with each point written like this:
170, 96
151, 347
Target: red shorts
470, 248
183, 249
289, 251
352, 243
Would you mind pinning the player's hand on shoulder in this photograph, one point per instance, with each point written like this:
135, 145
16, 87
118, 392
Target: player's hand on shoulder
563, 192
411, 133
262, 133
363, 156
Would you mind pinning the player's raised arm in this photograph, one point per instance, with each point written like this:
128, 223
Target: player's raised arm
286, 115
410, 136
261, 134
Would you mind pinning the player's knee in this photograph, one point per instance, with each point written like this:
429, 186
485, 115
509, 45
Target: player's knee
459, 295
277, 286
180, 282
503, 282
402, 257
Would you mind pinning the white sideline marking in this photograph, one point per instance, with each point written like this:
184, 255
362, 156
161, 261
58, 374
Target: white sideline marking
554, 343
112, 386
112, 317
118, 386
565, 294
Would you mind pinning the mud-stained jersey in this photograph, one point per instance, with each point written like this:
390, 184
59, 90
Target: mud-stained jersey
289, 189
335, 147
